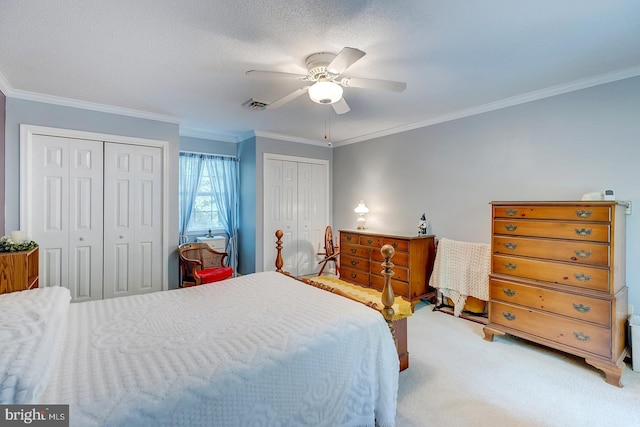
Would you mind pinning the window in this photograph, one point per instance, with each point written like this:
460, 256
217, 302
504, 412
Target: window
205, 210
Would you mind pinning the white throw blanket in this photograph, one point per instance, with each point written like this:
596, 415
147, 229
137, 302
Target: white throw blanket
462, 269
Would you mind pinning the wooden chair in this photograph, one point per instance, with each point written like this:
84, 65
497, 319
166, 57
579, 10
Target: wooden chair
331, 252
201, 264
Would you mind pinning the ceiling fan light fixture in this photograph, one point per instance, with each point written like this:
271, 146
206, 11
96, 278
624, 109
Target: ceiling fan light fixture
324, 92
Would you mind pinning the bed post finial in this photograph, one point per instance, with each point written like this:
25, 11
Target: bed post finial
388, 297
279, 260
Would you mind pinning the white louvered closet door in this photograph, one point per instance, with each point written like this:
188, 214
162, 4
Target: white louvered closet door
65, 213
132, 220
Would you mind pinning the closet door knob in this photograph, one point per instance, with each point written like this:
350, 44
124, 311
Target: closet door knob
82, 239
121, 236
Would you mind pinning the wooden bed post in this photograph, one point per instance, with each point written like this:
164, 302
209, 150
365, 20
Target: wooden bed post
279, 260
388, 297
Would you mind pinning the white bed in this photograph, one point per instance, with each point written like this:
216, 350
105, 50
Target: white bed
261, 349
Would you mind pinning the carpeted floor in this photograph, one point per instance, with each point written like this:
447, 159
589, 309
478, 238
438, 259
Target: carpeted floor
456, 378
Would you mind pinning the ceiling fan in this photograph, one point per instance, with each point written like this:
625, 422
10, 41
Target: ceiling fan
324, 71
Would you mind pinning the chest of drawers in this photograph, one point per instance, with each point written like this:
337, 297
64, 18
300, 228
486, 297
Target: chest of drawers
18, 270
558, 279
360, 261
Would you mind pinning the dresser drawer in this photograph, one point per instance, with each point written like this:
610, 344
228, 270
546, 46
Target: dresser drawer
592, 232
399, 288
355, 251
577, 306
569, 251
400, 259
353, 262
580, 335
373, 241
399, 273
577, 213
358, 277
400, 245
575, 275
352, 238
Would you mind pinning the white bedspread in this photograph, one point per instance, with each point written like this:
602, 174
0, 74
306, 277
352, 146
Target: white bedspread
256, 350
461, 269
32, 326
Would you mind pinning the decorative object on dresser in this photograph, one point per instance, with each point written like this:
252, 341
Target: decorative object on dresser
414, 257
18, 270
361, 210
461, 278
558, 279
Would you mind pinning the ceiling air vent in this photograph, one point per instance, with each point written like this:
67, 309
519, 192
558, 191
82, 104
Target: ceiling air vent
254, 104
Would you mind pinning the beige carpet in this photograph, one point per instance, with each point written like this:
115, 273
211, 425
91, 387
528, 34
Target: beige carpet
456, 378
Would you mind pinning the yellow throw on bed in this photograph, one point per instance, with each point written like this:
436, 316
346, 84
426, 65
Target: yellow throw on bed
401, 307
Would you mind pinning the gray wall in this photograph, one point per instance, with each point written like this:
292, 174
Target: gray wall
553, 149
20, 111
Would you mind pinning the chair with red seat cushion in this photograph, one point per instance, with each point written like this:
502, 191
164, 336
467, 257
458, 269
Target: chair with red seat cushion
201, 264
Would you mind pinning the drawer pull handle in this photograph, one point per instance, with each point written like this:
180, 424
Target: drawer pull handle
394, 244
582, 277
509, 292
354, 262
581, 336
510, 266
583, 232
511, 212
584, 214
369, 241
582, 253
354, 275
349, 238
508, 315
510, 246
354, 250
582, 308
511, 227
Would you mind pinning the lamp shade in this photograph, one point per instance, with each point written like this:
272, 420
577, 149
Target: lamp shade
361, 208
324, 92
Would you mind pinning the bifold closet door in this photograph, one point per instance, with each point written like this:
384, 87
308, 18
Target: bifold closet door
295, 201
65, 213
281, 212
132, 219
312, 216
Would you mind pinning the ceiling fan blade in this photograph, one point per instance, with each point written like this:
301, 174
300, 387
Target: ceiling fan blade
341, 106
293, 95
277, 74
345, 59
373, 84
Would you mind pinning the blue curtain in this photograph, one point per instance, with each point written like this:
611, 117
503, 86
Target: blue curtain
224, 174
190, 167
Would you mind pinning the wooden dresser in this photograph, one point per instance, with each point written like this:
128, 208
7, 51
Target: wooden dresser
360, 261
18, 270
558, 279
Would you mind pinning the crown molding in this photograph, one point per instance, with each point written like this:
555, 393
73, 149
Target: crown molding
85, 105
503, 103
215, 136
283, 137
5, 87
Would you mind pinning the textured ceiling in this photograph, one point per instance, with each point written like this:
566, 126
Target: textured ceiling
187, 60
